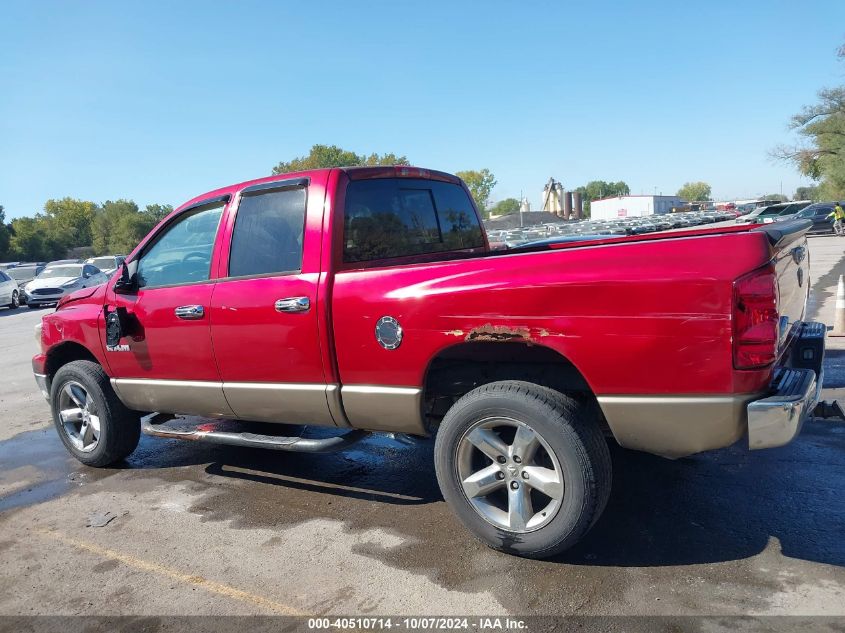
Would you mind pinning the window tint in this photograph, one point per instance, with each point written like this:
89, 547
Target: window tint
396, 217
3, 276
183, 253
268, 233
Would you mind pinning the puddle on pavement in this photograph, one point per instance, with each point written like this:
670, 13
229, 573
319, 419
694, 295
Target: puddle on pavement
664, 519
50, 471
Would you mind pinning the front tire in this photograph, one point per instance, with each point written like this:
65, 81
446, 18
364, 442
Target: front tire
525, 468
15, 300
93, 424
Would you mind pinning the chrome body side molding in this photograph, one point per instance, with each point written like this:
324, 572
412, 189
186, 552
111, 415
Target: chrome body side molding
192, 397
381, 408
676, 426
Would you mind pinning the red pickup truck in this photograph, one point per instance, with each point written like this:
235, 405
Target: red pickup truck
369, 299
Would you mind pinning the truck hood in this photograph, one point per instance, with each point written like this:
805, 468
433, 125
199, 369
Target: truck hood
76, 295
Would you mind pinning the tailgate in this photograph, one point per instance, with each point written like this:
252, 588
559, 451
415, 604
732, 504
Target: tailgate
791, 259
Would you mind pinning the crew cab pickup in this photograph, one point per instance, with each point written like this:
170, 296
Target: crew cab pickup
369, 299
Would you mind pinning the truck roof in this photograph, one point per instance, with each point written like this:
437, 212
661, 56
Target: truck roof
355, 173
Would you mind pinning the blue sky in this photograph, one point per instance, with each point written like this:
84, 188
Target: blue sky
159, 103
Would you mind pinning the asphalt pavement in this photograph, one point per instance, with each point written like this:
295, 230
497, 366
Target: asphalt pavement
186, 528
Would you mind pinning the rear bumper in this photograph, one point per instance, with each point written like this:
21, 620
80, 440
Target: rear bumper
777, 419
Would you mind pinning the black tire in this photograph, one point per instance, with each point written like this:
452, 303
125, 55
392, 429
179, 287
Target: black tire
15, 302
120, 427
569, 426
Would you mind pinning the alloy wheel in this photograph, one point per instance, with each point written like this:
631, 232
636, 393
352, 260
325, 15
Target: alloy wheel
77, 412
510, 474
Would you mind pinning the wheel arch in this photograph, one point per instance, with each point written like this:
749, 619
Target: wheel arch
460, 368
60, 355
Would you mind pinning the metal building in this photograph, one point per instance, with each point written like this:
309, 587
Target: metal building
632, 206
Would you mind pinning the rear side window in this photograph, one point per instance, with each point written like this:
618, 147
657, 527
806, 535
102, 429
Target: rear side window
268, 233
398, 217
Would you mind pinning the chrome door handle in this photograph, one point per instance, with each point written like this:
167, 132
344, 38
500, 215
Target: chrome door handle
293, 304
190, 313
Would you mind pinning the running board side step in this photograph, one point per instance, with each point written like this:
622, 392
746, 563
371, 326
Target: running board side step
156, 426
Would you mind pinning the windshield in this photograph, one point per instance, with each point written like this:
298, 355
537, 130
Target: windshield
62, 271
103, 263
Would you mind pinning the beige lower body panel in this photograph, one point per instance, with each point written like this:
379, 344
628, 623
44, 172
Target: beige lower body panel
675, 426
370, 407
377, 408
192, 397
289, 403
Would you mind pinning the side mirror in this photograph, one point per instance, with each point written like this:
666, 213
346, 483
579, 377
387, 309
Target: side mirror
126, 283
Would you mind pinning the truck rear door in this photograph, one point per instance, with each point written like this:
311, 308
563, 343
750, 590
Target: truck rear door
264, 312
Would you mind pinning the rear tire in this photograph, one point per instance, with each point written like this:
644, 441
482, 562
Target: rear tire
93, 424
15, 301
535, 504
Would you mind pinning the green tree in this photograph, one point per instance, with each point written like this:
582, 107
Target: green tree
157, 212
118, 225
695, 191
505, 207
807, 193
31, 241
5, 235
130, 229
777, 197
322, 156
68, 221
597, 189
480, 184
822, 154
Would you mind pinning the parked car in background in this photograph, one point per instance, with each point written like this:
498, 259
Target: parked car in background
54, 282
7, 265
9, 293
774, 212
107, 263
57, 262
819, 213
22, 276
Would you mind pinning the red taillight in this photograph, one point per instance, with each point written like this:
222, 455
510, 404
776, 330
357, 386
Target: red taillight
755, 317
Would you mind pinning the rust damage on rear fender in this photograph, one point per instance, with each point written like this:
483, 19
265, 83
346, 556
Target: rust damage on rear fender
499, 333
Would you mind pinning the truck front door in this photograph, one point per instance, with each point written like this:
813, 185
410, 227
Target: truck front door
165, 362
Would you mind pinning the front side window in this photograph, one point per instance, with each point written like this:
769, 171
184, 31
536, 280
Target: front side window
268, 233
182, 254
399, 217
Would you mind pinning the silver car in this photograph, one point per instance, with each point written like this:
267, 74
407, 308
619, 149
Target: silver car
54, 282
9, 293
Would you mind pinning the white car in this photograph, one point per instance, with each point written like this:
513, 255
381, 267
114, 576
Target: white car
54, 282
9, 293
107, 263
